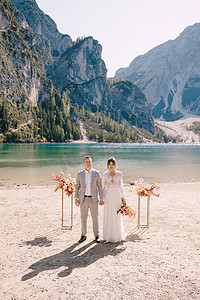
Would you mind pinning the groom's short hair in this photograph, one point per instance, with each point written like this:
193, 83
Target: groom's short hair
87, 157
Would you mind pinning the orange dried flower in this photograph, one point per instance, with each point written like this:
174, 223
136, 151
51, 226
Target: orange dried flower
126, 210
145, 190
65, 183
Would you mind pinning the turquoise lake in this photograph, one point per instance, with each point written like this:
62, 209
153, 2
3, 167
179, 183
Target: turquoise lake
34, 163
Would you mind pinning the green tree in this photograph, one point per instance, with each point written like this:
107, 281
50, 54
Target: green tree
4, 115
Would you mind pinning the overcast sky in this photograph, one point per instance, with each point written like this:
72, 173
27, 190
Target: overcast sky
124, 28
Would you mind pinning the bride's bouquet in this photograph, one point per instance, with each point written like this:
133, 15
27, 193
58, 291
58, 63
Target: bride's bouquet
145, 189
126, 210
65, 183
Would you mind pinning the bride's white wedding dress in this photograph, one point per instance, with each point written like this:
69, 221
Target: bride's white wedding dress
113, 188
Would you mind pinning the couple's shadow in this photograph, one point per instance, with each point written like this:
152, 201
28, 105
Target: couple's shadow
73, 258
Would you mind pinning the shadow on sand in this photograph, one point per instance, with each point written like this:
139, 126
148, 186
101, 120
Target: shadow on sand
40, 241
76, 256
135, 234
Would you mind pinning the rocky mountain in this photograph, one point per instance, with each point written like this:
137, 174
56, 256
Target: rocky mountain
169, 75
35, 59
82, 73
32, 17
23, 74
131, 104
76, 67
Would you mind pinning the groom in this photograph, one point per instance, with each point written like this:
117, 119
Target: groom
88, 186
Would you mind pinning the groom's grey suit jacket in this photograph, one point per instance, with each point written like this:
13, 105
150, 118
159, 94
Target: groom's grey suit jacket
96, 186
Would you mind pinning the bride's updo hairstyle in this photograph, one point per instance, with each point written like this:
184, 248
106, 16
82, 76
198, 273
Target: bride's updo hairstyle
113, 160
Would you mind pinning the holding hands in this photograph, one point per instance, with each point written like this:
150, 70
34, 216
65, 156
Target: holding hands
77, 202
101, 202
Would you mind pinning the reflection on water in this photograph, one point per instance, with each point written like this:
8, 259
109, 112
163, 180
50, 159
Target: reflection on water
34, 163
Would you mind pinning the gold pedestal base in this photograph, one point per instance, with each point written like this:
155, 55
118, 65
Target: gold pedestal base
139, 225
70, 226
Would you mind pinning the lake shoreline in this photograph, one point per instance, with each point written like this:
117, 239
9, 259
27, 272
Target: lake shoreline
94, 142
33, 164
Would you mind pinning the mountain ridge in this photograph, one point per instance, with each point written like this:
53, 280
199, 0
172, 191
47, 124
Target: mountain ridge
41, 67
169, 75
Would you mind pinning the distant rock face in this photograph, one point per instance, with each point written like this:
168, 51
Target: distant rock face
55, 42
76, 68
169, 75
131, 104
5, 24
81, 71
21, 69
34, 56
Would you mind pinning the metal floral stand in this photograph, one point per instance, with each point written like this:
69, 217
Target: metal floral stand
139, 225
64, 226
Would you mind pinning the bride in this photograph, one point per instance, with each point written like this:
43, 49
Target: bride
114, 194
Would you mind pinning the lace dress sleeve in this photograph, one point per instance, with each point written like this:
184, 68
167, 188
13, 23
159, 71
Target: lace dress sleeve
121, 185
104, 185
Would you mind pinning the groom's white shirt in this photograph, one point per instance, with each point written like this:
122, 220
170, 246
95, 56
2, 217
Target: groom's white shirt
88, 180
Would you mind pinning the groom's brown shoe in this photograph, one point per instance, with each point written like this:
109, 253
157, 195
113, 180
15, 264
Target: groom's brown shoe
82, 239
97, 239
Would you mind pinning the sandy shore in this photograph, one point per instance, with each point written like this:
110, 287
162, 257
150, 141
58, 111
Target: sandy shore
41, 261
